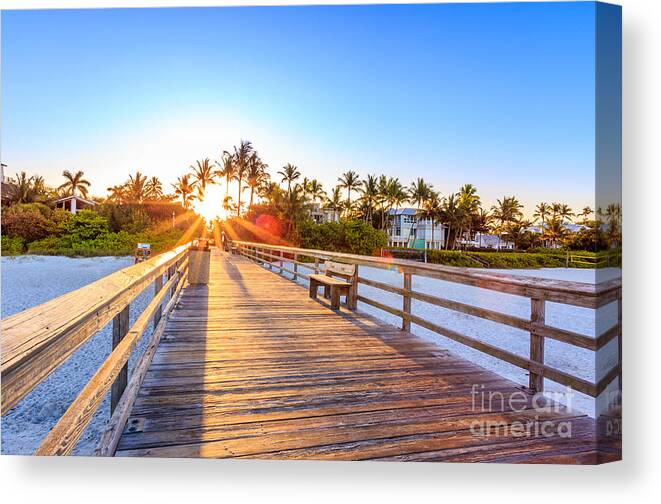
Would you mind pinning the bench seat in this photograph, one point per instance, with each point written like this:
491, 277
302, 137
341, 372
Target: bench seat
328, 280
335, 286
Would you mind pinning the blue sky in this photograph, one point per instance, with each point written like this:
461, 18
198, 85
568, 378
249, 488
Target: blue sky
498, 95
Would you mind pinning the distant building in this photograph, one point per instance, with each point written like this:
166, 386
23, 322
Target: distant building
574, 228
321, 215
407, 229
5, 188
74, 203
488, 241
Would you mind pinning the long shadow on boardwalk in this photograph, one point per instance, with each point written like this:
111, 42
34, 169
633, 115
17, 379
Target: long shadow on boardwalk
251, 367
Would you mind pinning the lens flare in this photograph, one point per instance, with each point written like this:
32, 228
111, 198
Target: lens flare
210, 207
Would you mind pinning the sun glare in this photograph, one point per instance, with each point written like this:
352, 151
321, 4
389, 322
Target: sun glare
210, 206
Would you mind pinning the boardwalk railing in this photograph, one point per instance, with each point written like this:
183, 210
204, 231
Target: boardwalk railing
36, 341
539, 291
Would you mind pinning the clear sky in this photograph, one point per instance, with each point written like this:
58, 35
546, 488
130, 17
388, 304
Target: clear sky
498, 95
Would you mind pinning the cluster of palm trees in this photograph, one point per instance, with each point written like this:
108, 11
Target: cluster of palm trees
242, 165
291, 197
138, 188
24, 188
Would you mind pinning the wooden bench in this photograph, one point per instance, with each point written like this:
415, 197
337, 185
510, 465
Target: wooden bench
336, 287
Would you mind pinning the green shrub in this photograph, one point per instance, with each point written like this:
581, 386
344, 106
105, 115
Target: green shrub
452, 258
12, 245
87, 225
25, 221
353, 237
59, 222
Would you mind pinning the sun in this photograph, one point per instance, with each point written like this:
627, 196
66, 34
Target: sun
211, 205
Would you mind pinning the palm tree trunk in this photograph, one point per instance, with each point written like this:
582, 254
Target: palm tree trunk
432, 233
238, 206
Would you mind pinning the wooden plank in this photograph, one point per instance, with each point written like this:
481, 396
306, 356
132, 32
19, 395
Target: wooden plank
250, 367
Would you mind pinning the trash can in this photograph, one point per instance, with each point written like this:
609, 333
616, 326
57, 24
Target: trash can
198, 262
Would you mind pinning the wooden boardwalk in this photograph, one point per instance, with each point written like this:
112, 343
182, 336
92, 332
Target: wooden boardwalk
249, 366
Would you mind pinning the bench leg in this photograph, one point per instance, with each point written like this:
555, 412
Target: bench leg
327, 292
313, 289
335, 298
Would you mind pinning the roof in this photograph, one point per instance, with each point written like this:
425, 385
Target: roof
402, 211
567, 225
74, 196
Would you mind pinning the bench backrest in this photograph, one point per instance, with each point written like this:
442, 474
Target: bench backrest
340, 269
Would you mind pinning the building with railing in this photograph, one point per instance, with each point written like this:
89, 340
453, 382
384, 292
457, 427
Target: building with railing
320, 215
408, 229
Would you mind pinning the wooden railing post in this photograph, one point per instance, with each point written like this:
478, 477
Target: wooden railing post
352, 298
316, 265
120, 326
158, 285
537, 316
406, 302
295, 266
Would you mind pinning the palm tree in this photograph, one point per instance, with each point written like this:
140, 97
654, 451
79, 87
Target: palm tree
255, 176
517, 232
432, 209
203, 174
226, 168
295, 205
136, 187
542, 211
482, 223
555, 230
396, 196
505, 211
22, 188
351, 182
587, 211
75, 183
316, 190
613, 216
290, 173
117, 193
370, 194
469, 203
451, 216
154, 189
334, 202
565, 212
419, 192
269, 191
184, 188
241, 157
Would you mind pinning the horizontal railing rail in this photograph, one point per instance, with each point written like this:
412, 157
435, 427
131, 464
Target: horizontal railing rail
36, 341
538, 290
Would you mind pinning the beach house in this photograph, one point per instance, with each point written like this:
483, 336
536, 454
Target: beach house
408, 229
74, 203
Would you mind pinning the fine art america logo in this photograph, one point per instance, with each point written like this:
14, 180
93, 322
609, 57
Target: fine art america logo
518, 414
